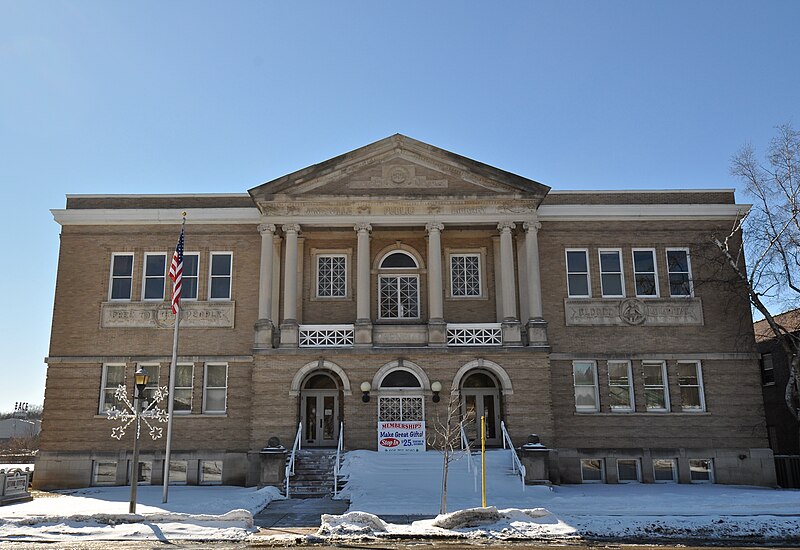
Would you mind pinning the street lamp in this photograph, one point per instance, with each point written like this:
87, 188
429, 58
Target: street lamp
141, 378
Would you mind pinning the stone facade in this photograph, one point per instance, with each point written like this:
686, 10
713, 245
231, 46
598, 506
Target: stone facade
401, 265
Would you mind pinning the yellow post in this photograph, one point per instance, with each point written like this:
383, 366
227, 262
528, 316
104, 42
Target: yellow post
483, 461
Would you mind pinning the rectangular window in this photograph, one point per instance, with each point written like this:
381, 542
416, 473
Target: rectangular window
215, 388
113, 377
184, 384
578, 274
656, 394
629, 470
190, 277
465, 275
645, 273
400, 409
592, 470
664, 470
701, 470
152, 384
220, 278
105, 473
145, 472
210, 472
584, 374
155, 276
399, 297
177, 472
690, 379
612, 283
680, 272
620, 386
121, 276
767, 370
331, 276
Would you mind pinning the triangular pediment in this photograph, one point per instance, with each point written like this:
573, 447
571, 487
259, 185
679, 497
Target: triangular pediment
402, 168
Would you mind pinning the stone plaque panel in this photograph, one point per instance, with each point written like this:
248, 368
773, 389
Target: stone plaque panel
159, 315
659, 312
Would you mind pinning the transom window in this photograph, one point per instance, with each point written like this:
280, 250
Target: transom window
331, 276
400, 379
155, 271
465, 275
398, 294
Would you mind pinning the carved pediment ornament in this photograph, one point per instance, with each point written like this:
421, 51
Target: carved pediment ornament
398, 177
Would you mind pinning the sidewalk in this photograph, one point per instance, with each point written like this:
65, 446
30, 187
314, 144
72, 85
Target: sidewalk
296, 516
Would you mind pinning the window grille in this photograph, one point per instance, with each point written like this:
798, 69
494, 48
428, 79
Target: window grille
331, 276
488, 334
465, 275
399, 297
326, 336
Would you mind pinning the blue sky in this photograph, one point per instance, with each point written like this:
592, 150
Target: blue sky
193, 97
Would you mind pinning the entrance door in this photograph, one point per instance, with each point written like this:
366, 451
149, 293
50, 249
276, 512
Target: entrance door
320, 416
480, 397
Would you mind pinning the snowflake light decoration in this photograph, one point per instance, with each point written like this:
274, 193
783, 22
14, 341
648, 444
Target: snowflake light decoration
151, 413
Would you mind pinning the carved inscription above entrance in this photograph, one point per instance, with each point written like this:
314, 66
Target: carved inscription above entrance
634, 312
398, 177
159, 315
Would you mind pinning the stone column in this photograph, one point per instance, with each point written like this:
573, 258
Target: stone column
511, 329
289, 328
363, 326
436, 325
264, 325
537, 326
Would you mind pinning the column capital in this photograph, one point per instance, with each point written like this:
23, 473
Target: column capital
362, 226
532, 226
291, 227
504, 227
266, 228
434, 226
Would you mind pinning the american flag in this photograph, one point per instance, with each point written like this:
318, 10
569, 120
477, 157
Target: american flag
176, 274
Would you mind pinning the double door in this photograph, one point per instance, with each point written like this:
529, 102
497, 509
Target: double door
477, 403
320, 417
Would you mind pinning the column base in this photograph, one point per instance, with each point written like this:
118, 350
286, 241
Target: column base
363, 334
290, 334
437, 333
512, 334
537, 333
264, 332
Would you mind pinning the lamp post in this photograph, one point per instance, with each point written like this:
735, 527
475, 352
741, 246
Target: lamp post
142, 378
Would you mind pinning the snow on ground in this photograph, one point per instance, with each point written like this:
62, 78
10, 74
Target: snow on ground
392, 484
411, 484
101, 513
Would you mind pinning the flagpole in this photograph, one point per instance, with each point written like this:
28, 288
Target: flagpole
171, 395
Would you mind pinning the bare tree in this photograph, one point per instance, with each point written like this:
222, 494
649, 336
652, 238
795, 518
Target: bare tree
446, 438
771, 234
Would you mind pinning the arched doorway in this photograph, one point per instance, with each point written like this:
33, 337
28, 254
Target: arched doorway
319, 409
480, 396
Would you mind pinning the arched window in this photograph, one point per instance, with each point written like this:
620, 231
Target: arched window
398, 286
402, 397
320, 382
400, 379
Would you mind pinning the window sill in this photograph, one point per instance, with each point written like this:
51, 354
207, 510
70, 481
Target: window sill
642, 413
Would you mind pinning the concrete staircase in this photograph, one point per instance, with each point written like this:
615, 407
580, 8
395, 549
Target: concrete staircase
313, 473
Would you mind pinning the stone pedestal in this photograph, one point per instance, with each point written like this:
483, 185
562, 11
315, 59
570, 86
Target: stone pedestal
290, 334
14, 486
363, 334
264, 332
537, 460
272, 461
512, 335
537, 334
437, 334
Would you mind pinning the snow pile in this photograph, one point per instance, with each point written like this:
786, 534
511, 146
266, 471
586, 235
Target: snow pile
351, 523
101, 513
467, 518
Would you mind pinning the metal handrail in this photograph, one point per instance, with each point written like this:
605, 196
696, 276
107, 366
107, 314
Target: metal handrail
471, 466
339, 448
516, 465
297, 445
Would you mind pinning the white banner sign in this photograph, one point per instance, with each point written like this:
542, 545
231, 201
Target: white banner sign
408, 437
